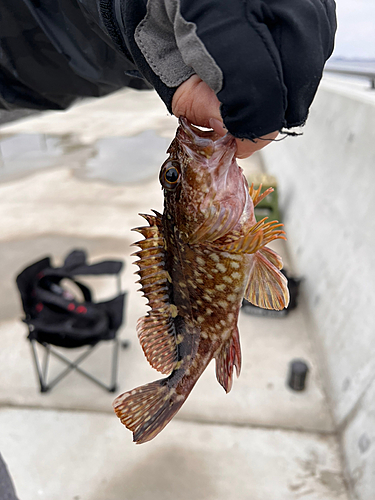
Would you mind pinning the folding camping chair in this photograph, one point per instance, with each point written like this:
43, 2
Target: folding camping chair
55, 318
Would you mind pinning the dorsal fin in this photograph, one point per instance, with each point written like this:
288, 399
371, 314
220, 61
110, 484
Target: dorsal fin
156, 330
156, 333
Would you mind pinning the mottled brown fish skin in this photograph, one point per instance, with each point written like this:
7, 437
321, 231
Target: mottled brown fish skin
208, 287
197, 262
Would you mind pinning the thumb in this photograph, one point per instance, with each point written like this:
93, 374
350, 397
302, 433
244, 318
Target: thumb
218, 126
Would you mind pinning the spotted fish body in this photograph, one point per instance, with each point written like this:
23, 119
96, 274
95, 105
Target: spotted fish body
197, 262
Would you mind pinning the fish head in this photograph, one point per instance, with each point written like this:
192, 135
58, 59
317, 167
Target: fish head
206, 195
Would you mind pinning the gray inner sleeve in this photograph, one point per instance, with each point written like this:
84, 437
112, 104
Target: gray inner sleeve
172, 47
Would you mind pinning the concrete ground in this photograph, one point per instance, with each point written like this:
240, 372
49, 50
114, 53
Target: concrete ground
78, 180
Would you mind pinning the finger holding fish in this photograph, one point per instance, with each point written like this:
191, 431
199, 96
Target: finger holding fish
195, 100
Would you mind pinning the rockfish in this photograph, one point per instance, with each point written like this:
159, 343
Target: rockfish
197, 262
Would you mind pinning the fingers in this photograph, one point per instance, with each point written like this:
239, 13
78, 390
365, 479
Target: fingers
218, 126
195, 100
246, 148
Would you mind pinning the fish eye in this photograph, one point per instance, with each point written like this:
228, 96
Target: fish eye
170, 175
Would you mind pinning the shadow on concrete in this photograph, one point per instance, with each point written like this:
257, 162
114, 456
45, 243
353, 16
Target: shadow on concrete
171, 473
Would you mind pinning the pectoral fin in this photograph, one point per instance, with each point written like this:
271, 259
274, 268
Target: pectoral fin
267, 286
256, 195
256, 238
272, 256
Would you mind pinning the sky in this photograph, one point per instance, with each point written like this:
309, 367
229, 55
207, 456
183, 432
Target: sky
356, 29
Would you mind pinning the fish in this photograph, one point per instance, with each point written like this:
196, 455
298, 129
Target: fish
197, 261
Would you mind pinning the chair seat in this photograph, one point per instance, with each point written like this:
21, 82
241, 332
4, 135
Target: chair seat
56, 317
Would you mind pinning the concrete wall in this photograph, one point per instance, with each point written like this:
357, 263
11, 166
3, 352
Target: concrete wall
327, 195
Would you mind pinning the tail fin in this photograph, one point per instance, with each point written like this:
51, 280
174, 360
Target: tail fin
146, 410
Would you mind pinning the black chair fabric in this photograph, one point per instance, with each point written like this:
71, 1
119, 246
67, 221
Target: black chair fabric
55, 316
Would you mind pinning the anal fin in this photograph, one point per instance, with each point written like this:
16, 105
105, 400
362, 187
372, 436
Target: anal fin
228, 358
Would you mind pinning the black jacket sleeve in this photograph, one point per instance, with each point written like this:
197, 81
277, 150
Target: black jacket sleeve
267, 55
263, 58
272, 55
53, 52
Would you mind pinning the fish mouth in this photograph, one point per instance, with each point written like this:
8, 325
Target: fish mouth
205, 143
215, 154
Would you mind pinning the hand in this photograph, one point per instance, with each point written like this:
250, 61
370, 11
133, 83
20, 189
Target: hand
198, 102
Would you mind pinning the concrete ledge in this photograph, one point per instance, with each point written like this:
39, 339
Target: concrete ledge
326, 182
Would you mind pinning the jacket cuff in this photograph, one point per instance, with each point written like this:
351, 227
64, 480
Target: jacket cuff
124, 19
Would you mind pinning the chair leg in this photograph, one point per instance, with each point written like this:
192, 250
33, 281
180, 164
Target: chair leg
46, 361
74, 365
42, 372
115, 351
118, 284
42, 382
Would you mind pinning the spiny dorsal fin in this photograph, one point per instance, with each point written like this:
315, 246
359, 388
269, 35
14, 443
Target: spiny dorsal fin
228, 358
156, 330
267, 286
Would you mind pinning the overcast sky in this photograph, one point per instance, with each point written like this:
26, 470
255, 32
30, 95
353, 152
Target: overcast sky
356, 28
